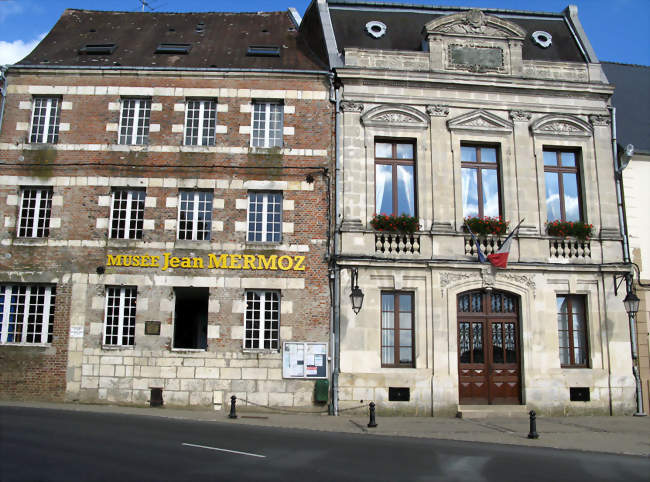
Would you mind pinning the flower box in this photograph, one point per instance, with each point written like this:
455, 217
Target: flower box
486, 225
396, 224
576, 229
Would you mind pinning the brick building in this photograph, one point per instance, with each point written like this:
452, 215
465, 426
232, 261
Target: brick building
164, 188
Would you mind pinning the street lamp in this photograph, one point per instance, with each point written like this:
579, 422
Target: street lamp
631, 303
356, 297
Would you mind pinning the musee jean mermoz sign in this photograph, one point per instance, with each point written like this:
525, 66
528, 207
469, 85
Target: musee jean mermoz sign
212, 261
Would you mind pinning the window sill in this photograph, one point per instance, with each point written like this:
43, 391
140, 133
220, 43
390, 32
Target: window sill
117, 347
192, 244
189, 350
122, 243
575, 367
261, 350
34, 345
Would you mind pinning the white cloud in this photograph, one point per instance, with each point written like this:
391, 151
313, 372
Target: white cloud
12, 52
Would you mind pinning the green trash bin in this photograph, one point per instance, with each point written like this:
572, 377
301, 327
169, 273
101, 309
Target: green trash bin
322, 390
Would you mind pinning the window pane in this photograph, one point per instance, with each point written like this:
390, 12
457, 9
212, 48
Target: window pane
388, 320
568, 159
405, 320
463, 342
405, 303
405, 339
550, 158
470, 192
553, 211
467, 154
571, 205
405, 151
405, 190
388, 355
383, 150
488, 154
387, 302
490, 192
477, 342
384, 189
406, 355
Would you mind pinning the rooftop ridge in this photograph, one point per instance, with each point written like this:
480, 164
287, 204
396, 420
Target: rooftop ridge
433, 8
208, 12
625, 64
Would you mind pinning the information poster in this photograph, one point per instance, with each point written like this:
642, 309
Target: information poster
304, 360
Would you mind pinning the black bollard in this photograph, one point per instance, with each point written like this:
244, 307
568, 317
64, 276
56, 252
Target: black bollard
233, 401
372, 422
533, 425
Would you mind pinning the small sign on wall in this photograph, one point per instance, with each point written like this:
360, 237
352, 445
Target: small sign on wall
76, 331
152, 328
304, 360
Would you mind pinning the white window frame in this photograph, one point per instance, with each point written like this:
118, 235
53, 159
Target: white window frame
130, 215
52, 119
195, 216
206, 106
259, 333
266, 140
7, 291
131, 138
122, 322
265, 232
32, 218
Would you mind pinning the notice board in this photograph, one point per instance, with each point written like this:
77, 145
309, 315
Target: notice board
304, 360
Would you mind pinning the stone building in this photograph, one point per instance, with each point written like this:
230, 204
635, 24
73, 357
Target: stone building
632, 102
164, 193
450, 113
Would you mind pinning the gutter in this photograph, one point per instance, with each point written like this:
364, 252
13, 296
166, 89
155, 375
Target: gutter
166, 69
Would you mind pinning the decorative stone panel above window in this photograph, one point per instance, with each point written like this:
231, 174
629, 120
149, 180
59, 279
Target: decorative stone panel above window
480, 120
561, 125
401, 116
474, 42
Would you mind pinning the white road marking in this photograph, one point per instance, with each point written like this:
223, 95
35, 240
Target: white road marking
224, 450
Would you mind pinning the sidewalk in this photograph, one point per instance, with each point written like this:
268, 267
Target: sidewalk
619, 435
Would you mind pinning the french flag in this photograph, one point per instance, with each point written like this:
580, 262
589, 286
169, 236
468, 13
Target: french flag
500, 258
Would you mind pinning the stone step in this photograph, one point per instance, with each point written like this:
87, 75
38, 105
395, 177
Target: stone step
489, 411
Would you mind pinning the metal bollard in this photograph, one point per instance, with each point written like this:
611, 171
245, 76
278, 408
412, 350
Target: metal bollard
233, 401
372, 422
533, 425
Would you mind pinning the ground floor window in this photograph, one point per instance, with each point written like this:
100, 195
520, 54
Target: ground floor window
397, 322
191, 318
26, 313
262, 328
572, 330
119, 322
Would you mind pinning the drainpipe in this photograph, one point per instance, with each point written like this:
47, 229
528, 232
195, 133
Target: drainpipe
3, 91
335, 272
622, 220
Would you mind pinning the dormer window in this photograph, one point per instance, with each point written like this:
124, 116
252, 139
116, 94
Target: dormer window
173, 48
98, 49
263, 51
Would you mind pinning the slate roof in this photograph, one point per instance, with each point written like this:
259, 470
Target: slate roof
405, 24
217, 40
632, 101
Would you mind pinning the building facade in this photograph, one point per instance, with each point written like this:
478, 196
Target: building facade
165, 209
632, 103
446, 114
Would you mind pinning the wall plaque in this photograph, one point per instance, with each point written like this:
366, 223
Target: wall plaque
476, 58
152, 328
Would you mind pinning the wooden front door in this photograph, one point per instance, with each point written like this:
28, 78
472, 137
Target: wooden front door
488, 348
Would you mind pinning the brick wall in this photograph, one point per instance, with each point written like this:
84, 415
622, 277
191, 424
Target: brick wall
87, 164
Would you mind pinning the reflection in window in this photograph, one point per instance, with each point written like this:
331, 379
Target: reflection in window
572, 330
397, 329
394, 178
480, 181
562, 185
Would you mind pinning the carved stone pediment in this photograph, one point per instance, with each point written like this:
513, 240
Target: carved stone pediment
480, 120
475, 23
395, 116
561, 125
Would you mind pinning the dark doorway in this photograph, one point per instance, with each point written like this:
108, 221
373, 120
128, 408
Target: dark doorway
488, 348
191, 318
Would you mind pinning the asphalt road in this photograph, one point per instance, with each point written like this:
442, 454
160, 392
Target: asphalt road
44, 445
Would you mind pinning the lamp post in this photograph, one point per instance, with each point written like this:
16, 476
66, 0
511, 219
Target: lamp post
631, 303
356, 297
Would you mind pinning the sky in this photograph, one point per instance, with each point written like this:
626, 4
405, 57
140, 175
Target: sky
618, 29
